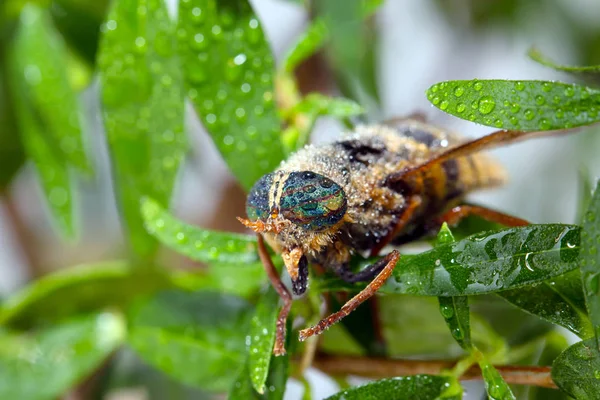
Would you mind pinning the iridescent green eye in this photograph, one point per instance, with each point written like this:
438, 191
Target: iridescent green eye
312, 200
257, 204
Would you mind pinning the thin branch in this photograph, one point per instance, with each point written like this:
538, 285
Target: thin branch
371, 367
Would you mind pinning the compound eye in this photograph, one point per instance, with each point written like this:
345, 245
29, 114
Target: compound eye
257, 203
312, 201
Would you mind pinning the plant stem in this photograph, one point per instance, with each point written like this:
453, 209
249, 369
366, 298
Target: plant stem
371, 367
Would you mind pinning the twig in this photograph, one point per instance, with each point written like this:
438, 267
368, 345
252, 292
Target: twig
371, 367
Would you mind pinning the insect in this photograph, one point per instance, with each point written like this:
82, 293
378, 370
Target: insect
377, 185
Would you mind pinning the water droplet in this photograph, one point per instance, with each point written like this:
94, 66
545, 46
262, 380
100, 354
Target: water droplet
520, 86
228, 140
540, 100
544, 123
435, 88
460, 107
447, 312
198, 42
180, 237
560, 113
514, 120
111, 25
444, 105
198, 244
569, 92
240, 113
478, 86
597, 374
239, 59
457, 333
585, 95
498, 123
436, 100
211, 119
245, 88
546, 86
529, 115
197, 15
486, 105
140, 45
515, 108
459, 91
216, 31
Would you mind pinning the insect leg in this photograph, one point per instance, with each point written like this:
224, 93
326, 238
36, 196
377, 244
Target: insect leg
279, 347
454, 215
412, 204
390, 262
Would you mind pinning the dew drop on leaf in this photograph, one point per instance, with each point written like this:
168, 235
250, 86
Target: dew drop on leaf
486, 105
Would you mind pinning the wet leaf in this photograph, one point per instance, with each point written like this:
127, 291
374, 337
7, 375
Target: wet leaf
40, 57
262, 338
46, 364
585, 192
229, 72
589, 73
455, 311
197, 338
518, 105
311, 41
417, 387
577, 370
12, 154
559, 300
78, 290
496, 387
316, 104
143, 108
483, 263
590, 261
242, 388
197, 243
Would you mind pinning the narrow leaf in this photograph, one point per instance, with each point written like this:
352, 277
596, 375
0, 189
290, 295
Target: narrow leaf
242, 388
229, 73
496, 387
590, 261
311, 41
589, 73
316, 104
196, 338
197, 243
483, 263
41, 58
455, 310
78, 290
559, 300
518, 105
262, 338
143, 104
417, 387
577, 370
48, 363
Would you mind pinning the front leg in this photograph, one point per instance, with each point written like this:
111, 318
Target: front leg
382, 268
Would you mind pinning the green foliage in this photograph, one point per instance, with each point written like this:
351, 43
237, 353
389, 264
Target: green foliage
229, 73
590, 265
211, 330
46, 364
577, 370
418, 387
143, 107
518, 105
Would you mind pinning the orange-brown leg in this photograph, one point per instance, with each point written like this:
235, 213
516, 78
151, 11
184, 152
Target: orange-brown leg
454, 215
391, 261
413, 203
279, 347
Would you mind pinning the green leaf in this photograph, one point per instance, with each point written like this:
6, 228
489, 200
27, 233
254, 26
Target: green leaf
496, 387
46, 364
417, 387
311, 41
229, 74
518, 105
577, 370
143, 108
590, 73
483, 263
196, 338
316, 104
455, 311
40, 56
262, 338
197, 243
242, 388
590, 261
78, 290
559, 301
